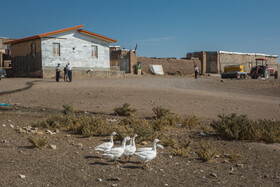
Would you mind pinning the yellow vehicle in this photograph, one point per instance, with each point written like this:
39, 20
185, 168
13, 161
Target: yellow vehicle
234, 71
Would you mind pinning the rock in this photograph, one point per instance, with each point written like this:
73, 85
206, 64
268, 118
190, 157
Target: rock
170, 156
80, 145
240, 165
213, 175
161, 170
40, 132
9, 121
231, 173
12, 126
144, 143
99, 180
22, 176
33, 132
56, 130
52, 146
165, 184
5, 141
4, 125
114, 179
204, 134
114, 185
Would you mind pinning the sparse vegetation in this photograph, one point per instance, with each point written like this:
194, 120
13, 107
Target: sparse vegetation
39, 142
206, 152
125, 110
167, 140
68, 109
191, 122
182, 148
234, 127
161, 112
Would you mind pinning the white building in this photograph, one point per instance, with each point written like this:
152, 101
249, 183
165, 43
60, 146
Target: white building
33, 56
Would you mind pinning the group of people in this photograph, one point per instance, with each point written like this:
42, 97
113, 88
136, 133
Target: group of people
67, 73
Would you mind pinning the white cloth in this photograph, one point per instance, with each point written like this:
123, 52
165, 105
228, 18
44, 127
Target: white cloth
69, 68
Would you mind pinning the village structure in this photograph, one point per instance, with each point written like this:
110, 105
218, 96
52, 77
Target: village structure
91, 55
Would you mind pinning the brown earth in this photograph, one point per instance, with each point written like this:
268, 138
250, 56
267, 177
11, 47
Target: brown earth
75, 163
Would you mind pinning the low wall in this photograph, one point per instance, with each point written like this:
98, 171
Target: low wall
170, 65
80, 73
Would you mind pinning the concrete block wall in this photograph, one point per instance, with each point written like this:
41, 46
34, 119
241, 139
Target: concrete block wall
186, 67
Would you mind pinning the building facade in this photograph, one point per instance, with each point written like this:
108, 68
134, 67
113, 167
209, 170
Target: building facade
215, 61
36, 55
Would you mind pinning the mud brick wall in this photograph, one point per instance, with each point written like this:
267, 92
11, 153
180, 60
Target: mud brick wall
23, 63
170, 65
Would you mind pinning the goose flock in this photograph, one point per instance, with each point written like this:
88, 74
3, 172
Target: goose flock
145, 154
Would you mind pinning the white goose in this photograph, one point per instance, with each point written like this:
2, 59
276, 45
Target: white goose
116, 152
106, 146
147, 156
130, 149
149, 148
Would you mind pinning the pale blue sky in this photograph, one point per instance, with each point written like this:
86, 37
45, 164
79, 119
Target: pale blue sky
161, 28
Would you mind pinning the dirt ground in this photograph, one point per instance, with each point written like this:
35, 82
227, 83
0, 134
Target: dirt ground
75, 163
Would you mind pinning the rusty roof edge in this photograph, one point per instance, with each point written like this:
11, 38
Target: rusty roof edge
97, 35
44, 34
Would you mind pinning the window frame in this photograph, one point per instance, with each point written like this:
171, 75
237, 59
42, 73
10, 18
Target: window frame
94, 53
56, 50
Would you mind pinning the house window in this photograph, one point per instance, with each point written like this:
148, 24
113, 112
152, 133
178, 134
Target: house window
33, 50
94, 51
56, 49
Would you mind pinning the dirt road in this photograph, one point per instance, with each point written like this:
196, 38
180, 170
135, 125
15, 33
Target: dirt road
205, 97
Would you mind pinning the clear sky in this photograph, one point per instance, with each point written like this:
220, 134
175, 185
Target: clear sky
161, 28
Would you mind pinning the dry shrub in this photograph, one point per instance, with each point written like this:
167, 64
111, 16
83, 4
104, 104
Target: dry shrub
68, 109
161, 111
167, 140
234, 127
122, 131
173, 120
144, 130
206, 152
125, 110
93, 126
39, 142
58, 121
159, 123
230, 154
191, 122
182, 148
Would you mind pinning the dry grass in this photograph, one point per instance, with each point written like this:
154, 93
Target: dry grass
39, 142
191, 122
182, 148
125, 110
234, 127
206, 152
161, 112
167, 140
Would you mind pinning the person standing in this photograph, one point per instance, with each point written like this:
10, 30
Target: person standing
196, 71
57, 75
69, 68
66, 73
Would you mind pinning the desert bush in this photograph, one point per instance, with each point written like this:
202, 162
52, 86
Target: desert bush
39, 142
161, 111
182, 148
173, 120
159, 123
68, 109
144, 130
58, 121
190, 122
125, 110
93, 126
167, 140
206, 152
230, 154
234, 127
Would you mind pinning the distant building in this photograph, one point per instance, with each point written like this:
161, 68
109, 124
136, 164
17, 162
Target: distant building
5, 52
123, 59
214, 61
37, 56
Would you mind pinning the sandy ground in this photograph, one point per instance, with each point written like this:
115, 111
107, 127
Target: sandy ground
74, 165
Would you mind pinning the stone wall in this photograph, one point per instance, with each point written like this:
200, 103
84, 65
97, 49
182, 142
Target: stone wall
170, 65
